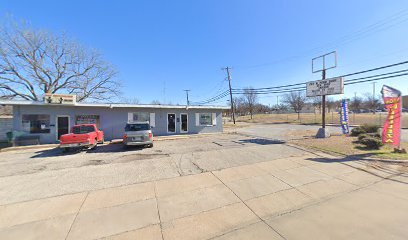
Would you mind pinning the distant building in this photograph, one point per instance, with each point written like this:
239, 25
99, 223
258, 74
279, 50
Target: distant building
405, 101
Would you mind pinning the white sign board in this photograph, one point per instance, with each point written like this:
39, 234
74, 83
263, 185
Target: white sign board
330, 86
60, 98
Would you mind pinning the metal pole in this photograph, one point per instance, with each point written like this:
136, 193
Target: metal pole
324, 102
400, 126
188, 102
373, 97
230, 89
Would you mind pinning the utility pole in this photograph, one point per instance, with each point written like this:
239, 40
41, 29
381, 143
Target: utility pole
324, 102
230, 90
374, 97
188, 102
277, 100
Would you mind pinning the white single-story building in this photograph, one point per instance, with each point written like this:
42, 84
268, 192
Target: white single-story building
48, 120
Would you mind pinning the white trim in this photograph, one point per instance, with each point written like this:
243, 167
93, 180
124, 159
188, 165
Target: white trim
175, 122
56, 124
214, 119
197, 118
181, 122
152, 119
107, 105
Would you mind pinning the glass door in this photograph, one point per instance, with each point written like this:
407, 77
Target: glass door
171, 123
62, 126
183, 123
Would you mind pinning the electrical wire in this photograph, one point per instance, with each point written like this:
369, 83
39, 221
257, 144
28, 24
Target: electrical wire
295, 87
345, 75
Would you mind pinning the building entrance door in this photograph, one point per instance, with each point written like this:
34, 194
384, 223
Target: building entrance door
62, 126
183, 123
171, 123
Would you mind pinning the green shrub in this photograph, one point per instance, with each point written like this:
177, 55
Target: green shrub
370, 128
371, 143
375, 135
357, 131
363, 136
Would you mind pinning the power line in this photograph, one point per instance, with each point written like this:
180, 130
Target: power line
222, 95
296, 87
381, 25
345, 75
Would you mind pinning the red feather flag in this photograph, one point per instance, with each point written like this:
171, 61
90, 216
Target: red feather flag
391, 133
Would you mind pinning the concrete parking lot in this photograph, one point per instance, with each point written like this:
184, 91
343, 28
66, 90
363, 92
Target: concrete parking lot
224, 186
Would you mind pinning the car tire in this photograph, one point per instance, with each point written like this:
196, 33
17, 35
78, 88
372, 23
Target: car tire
95, 144
102, 141
150, 145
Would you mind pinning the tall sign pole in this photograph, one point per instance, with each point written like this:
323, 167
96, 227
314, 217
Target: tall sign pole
230, 90
324, 87
324, 102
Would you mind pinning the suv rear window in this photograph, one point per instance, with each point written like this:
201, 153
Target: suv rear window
137, 127
83, 129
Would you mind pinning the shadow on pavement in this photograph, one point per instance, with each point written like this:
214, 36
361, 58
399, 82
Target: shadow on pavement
366, 161
106, 148
358, 157
262, 141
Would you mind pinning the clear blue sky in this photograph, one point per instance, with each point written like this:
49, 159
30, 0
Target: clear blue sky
176, 45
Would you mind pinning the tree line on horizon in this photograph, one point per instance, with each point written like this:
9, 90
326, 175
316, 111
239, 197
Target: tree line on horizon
294, 102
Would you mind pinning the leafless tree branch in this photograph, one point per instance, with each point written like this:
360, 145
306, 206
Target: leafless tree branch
35, 62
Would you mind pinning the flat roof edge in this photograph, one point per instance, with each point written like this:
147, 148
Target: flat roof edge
107, 105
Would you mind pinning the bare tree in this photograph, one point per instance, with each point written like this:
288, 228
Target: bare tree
356, 103
156, 102
34, 62
317, 103
331, 104
250, 99
372, 102
239, 105
130, 100
296, 100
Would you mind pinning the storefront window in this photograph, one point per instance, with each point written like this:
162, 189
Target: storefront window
141, 117
36, 123
205, 119
87, 119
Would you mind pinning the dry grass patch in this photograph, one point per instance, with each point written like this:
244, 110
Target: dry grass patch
348, 146
311, 118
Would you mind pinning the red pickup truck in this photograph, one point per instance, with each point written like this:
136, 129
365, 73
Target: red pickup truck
84, 135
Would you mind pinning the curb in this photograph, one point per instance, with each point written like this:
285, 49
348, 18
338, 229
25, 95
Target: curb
9, 149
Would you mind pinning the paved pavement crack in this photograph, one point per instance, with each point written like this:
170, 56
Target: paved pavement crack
248, 206
158, 210
72, 224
